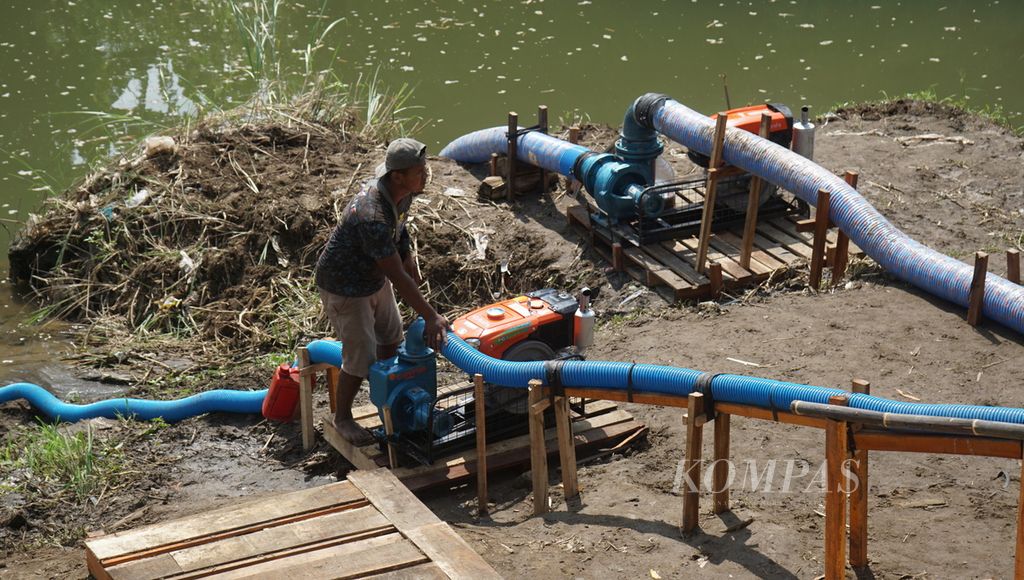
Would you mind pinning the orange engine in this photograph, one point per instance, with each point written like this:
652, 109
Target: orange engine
544, 316
780, 130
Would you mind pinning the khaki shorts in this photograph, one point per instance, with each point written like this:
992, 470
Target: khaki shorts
362, 324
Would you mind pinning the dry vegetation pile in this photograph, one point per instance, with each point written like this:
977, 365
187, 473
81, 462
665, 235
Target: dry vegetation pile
211, 246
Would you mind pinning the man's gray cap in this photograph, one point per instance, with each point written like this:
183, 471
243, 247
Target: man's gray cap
402, 154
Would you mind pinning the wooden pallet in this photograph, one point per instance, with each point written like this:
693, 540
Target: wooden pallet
369, 525
602, 426
673, 263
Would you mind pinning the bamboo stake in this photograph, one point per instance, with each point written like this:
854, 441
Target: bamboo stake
753, 202
976, 298
481, 444
821, 223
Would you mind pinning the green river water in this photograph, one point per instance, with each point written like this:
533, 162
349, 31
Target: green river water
82, 79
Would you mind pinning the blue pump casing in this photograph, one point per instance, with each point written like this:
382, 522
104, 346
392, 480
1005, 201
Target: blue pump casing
407, 383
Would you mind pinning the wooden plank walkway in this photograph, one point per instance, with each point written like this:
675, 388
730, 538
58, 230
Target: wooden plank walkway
673, 263
368, 526
603, 426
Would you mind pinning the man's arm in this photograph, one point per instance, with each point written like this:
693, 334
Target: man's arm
412, 268
437, 326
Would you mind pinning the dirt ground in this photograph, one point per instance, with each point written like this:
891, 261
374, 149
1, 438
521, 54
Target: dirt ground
930, 516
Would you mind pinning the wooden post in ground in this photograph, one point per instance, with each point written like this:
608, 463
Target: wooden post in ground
333, 374
709, 194
493, 165
1013, 266
389, 430
617, 263
821, 223
835, 494
306, 379
566, 448
753, 202
859, 496
715, 279
574, 134
722, 465
691, 463
842, 240
538, 451
1018, 568
513, 144
542, 126
976, 298
574, 138
481, 444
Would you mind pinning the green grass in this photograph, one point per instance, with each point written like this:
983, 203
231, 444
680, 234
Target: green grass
75, 463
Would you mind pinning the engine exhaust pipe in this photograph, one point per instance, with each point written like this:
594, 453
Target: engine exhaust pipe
583, 323
803, 135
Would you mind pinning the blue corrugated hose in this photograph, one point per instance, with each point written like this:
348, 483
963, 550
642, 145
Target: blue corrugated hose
209, 402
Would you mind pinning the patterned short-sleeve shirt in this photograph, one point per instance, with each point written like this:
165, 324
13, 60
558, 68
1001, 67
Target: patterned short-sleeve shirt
372, 228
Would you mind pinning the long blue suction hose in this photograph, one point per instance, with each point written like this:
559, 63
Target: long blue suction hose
222, 400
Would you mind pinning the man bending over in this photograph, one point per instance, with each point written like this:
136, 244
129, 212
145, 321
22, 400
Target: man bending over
366, 259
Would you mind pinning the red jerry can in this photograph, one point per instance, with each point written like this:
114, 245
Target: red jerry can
283, 395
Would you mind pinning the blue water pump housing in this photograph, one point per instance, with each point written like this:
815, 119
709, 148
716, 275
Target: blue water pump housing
407, 383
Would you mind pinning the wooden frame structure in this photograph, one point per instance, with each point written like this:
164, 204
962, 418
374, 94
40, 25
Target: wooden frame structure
849, 435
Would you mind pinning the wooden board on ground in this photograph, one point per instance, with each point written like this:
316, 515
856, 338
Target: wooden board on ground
673, 263
601, 426
369, 525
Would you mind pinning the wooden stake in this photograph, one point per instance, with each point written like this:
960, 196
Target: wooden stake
859, 497
753, 203
333, 374
976, 298
721, 477
691, 463
513, 138
709, 195
835, 495
715, 279
493, 165
1013, 266
538, 451
389, 430
481, 444
306, 381
617, 263
574, 134
566, 448
542, 125
843, 241
1018, 568
820, 237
